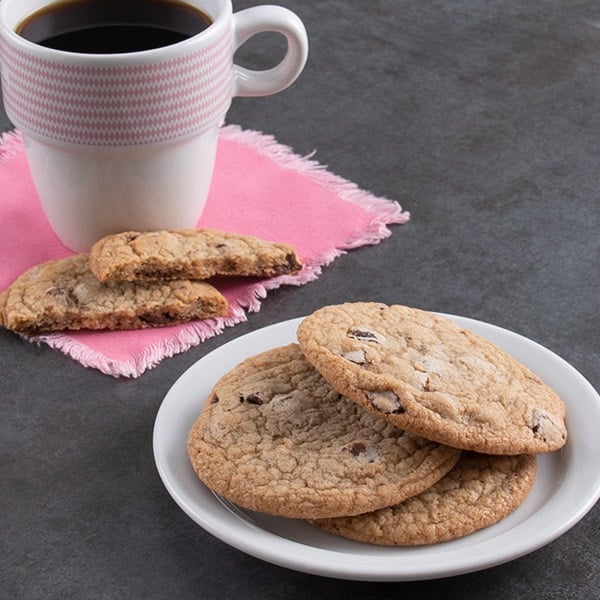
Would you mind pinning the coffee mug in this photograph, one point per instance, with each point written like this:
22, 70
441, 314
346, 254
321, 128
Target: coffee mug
126, 140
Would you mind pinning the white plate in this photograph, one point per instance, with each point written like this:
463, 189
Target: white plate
566, 487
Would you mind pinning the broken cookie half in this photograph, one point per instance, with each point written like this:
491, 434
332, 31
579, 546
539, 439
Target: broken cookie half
189, 254
64, 295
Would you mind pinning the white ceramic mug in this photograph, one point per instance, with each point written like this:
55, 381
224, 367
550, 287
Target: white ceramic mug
128, 141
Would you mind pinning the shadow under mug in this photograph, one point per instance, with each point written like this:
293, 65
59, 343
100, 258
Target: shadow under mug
127, 141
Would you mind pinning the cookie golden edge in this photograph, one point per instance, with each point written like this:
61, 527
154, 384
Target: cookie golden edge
458, 505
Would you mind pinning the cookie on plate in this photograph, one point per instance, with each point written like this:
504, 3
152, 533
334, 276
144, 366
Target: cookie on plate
63, 294
426, 374
188, 254
274, 437
478, 492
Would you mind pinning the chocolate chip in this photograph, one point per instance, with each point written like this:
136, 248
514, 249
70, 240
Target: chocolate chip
292, 262
361, 450
157, 273
214, 399
60, 293
251, 399
291, 265
356, 448
54, 291
364, 335
163, 318
545, 428
386, 402
356, 356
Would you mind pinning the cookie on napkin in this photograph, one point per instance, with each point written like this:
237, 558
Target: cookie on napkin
63, 294
274, 437
426, 374
3, 299
188, 254
478, 492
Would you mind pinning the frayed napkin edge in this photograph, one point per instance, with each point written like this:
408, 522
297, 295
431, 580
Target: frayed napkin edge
11, 143
385, 212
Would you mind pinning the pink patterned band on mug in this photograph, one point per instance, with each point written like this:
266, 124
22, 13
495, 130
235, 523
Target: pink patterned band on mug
118, 105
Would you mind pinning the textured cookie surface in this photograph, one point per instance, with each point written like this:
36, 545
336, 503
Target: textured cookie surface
430, 376
188, 254
274, 437
63, 294
479, 491
3, 299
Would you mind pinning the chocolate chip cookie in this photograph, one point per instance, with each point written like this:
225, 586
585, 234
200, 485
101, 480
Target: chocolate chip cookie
63, 294
478, 492
274, 437
188, 254
426, 374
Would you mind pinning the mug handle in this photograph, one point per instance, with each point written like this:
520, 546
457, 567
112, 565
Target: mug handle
258, 19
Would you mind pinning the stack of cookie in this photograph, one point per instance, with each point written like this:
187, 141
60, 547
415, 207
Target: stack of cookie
136, 280
384, 424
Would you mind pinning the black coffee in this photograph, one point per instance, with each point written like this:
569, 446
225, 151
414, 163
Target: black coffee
112, 26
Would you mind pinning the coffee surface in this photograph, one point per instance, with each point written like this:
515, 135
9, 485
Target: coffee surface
113, 26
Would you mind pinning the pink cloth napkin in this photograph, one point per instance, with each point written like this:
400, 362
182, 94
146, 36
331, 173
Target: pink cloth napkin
260, 188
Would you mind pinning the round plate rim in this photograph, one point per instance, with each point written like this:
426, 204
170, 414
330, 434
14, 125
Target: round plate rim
238, 529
